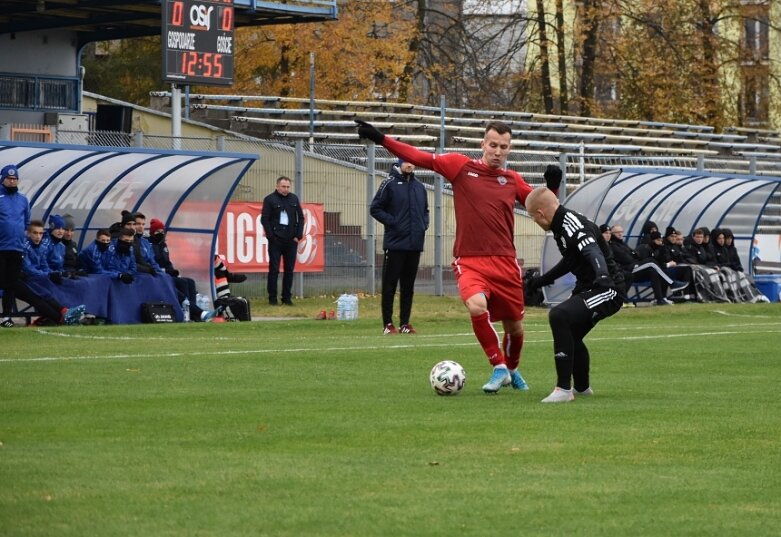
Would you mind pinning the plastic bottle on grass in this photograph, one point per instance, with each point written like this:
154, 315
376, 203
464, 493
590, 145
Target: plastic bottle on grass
347, 307
186, 309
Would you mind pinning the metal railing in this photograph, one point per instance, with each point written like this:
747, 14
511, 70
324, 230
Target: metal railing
39, 93
344, 176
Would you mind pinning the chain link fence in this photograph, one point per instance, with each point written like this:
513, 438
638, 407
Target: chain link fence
344, 177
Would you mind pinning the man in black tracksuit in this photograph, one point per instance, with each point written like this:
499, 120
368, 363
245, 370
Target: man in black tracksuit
597, 293
401, 205
282, 219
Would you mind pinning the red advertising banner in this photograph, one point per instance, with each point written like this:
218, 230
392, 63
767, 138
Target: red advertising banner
243, 244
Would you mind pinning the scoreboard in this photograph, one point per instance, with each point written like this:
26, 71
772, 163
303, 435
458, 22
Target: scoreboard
197, 42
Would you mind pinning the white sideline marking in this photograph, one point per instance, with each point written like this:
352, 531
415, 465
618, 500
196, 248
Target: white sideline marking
46, 332
722, 312
361, 348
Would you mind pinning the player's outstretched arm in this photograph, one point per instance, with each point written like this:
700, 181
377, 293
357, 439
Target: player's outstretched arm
400, 149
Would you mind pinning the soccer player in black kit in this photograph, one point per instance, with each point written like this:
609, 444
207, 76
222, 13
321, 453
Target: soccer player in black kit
598, 291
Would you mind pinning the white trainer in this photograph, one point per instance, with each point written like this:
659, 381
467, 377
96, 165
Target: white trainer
559, 395
585, 393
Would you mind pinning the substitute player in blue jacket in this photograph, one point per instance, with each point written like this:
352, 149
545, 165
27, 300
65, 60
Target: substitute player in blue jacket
401, 205
597, 293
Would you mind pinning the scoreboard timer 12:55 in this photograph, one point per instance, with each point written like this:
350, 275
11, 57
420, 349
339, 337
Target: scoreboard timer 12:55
197, 42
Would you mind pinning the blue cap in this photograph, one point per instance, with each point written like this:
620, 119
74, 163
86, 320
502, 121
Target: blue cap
9, 170
56, 222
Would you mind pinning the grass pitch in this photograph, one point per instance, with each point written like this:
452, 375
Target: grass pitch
301, 427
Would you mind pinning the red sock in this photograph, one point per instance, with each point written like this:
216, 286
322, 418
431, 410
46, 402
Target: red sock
512, 346
488, 338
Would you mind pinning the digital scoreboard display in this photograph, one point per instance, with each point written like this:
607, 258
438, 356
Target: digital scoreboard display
197, 42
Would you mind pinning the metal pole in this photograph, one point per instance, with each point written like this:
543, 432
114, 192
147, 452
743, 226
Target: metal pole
439, 186
311, 97
298, 185
187, 101
563, 187
176, 117
371, 230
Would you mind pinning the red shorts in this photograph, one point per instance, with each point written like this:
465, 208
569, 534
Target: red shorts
498, 278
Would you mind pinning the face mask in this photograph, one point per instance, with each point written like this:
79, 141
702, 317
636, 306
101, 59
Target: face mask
103, 246
157, 238
124, 247
54, 239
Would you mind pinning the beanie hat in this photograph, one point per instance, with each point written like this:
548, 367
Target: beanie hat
155, 225
669, 231
69, 222
56, 222
9, 170
654, 235
127, 217
603, 228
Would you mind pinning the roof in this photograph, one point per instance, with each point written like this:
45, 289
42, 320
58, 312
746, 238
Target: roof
100, 20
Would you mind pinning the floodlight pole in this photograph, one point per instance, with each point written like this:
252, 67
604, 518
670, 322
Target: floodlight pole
439, 186
176, 117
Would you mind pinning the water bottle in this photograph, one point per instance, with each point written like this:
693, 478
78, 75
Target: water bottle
352, 308
347, 307
341, 307
203, 302
186, 309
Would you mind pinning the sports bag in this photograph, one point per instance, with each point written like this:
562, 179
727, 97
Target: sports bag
157, 312
235, 308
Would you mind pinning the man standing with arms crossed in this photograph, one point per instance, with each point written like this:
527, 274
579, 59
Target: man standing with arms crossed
487, 271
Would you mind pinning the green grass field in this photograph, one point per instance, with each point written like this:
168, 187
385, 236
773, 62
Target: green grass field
301, 427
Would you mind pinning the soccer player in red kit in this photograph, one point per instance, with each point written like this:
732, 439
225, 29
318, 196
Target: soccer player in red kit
487, 271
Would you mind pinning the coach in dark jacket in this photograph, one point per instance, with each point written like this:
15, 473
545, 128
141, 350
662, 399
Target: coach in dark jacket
401, 205
282, 219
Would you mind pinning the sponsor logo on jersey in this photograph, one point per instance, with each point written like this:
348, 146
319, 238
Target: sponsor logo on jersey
472, 174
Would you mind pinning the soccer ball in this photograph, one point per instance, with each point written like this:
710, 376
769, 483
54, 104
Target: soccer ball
447, 377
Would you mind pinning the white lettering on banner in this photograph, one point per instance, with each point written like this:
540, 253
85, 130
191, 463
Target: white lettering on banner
307, 246
244, 245
201, 16
247, 243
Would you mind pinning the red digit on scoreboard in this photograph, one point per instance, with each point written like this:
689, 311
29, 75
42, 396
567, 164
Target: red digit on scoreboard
226, 23
177, 13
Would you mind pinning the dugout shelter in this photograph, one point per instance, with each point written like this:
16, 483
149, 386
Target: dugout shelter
187, 191
684, 199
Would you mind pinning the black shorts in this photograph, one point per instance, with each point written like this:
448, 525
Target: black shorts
601, 303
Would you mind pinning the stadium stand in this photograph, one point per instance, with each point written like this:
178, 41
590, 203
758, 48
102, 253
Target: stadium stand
289, 118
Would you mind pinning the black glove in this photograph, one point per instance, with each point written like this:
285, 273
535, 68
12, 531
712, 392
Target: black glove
533, 284
174, 273
56, 277
604, 282
366, 130
126, 278
236, 278
552, 177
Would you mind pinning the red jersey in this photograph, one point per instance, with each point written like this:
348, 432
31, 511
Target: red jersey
483, 197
